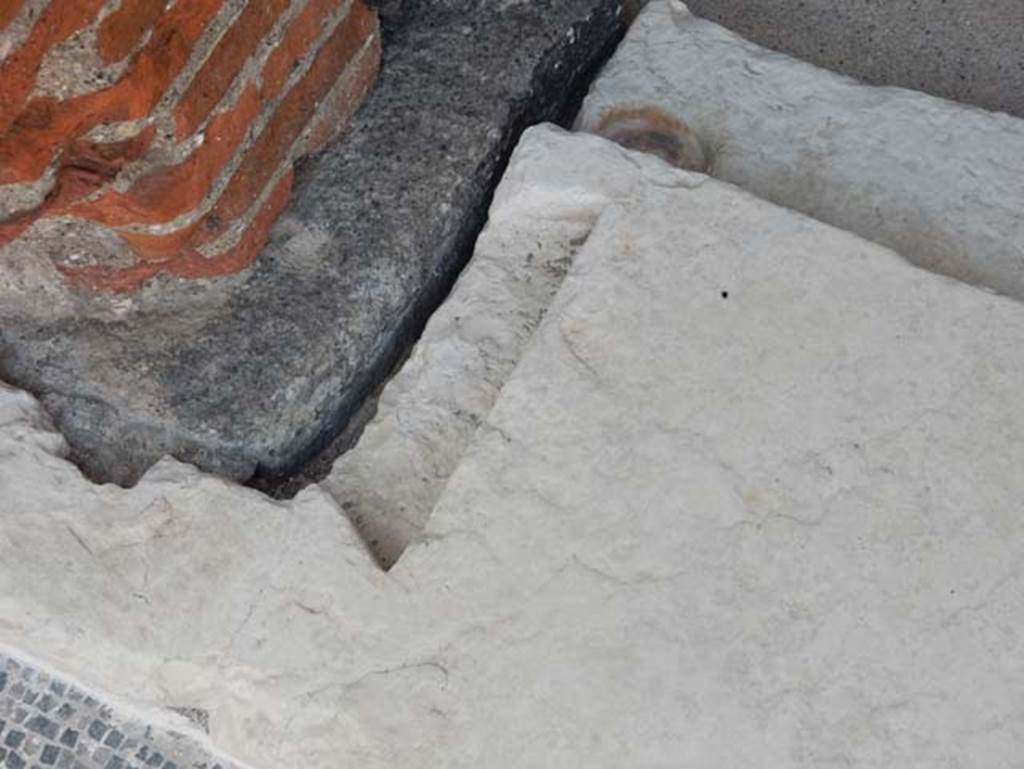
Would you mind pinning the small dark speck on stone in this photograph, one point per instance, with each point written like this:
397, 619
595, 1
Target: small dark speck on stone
725, 294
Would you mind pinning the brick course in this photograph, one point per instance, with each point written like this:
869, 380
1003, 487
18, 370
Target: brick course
187, 154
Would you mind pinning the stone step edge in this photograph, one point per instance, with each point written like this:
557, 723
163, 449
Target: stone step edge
389, 482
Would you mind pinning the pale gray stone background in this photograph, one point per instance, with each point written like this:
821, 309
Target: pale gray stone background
968, 50
946, 180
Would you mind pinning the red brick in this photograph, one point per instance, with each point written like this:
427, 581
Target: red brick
190, 263
96, 165
159, 248
123, 30
47, 130
274, 143
48, 125
72, 183
168, 192
58, 21
224, 63
304, 29
116, 155
8, 10
248, 247
294, 112
13, 227
332, 121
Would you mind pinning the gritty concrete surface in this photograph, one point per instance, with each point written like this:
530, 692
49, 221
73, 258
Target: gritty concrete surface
749, 497
255, 373
968, 50
939, 182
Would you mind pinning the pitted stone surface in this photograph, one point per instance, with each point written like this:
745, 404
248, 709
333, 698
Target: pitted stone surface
47, 722
254, 373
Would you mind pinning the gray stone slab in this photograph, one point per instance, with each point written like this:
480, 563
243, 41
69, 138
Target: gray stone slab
254, 374
968, 50
939, 182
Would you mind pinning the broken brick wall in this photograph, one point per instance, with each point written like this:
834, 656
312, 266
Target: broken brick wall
140, 137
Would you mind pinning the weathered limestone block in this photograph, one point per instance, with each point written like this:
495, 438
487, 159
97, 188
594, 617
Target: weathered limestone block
141, 137
750, 497
939, 182
429, 411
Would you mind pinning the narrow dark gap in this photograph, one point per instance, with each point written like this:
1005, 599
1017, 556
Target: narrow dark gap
553, 98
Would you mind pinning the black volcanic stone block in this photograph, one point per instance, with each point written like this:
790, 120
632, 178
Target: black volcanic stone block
255, 373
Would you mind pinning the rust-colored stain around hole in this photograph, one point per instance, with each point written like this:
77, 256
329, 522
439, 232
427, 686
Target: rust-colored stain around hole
652, 130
